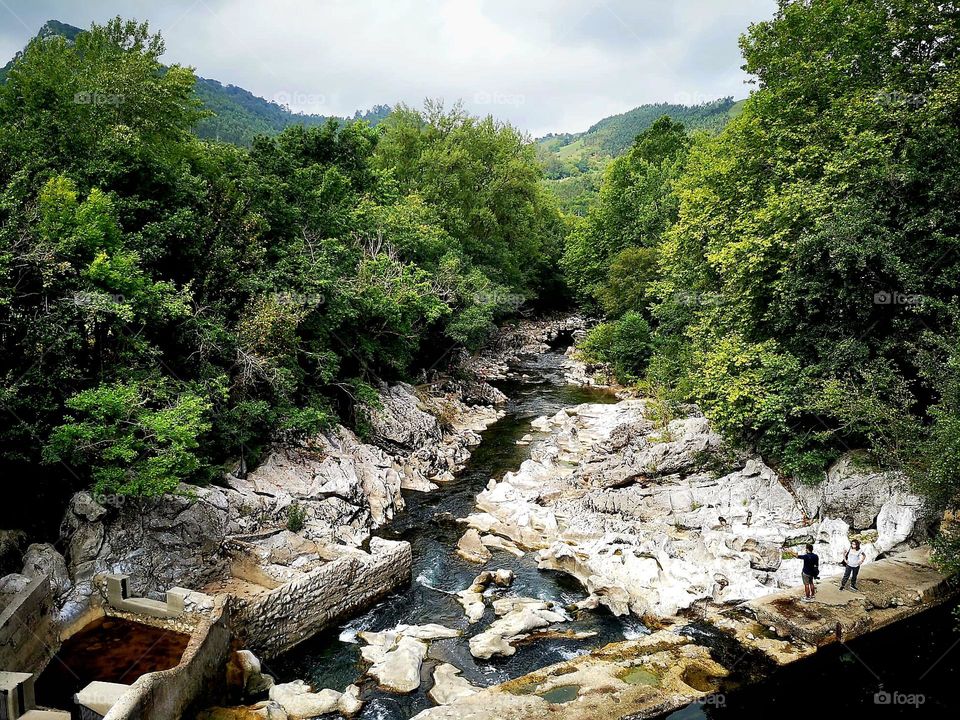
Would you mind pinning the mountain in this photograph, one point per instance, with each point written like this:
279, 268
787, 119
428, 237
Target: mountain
239, 115
51, 28
574, 162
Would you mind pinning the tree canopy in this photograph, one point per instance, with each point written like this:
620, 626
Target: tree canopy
169, 303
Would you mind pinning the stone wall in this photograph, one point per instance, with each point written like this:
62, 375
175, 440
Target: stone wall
276, 621
168, 693
28, 630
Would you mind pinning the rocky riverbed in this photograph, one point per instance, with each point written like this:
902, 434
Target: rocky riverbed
579, 508
654, 518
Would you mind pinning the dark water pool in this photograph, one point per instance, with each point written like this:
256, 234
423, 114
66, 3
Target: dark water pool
429, 525
907, 670
111, 650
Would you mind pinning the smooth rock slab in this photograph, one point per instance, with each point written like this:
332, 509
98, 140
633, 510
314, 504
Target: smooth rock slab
471, 547
448, 686
519, 617
298, 700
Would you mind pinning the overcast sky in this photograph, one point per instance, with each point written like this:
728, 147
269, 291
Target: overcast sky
544, 65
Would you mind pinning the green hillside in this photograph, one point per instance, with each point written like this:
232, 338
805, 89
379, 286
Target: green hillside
238, 115
574, 162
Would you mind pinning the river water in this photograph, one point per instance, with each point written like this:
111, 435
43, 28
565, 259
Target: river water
841, 680
429, 525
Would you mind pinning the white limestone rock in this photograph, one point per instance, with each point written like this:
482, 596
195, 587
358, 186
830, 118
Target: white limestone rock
448, 686
471, 549
298, 701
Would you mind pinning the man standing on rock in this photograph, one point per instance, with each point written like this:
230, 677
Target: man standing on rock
853, 558
810, 572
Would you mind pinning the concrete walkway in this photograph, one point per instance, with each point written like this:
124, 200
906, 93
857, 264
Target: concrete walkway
785, 627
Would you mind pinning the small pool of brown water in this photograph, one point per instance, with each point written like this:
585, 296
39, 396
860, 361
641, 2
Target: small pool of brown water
111, 650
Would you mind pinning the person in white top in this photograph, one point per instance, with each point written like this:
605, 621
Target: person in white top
853, 558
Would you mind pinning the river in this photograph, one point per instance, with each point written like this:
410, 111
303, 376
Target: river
838, 680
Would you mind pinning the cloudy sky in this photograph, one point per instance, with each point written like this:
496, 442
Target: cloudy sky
545, 65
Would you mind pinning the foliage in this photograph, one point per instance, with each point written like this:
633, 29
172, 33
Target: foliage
624, 344
296, 517
805, 284
575, 163
167, 303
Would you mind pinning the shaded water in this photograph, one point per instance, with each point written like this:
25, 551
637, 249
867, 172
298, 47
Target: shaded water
910, 669
428, 524
111, 650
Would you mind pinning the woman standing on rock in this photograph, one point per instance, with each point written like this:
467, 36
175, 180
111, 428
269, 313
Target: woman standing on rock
853, 558
810, 572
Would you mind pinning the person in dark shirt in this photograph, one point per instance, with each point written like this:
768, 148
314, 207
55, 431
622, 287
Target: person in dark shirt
810, 572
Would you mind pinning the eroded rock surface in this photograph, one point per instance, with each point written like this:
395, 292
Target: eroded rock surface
652, 519
638, 678
517, 617
448, 686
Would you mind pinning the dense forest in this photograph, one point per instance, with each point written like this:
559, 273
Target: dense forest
168, 304
796, 275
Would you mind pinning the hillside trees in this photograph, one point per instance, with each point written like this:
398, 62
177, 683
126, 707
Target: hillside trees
167, 304
807, 278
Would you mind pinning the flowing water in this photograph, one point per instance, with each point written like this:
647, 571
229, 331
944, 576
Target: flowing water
917, 658
429, 525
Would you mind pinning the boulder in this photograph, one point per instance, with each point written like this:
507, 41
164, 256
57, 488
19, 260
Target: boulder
448, 686
350, 703
11, 549
472, 598
253, 680
298, 701
400, 424
13, 583
518, 616
43, 559
395, 661
856, 491
472, 549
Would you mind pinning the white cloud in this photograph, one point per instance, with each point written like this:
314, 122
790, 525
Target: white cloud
545, 65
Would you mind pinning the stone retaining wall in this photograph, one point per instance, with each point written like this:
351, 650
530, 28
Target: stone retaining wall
28, 629
276, 621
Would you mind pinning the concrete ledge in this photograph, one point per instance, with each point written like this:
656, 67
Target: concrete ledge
28, 629
166, 694
118, 597
100, 696
785, 628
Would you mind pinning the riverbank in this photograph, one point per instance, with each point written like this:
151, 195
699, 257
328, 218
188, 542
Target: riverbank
592, 510
269, 537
